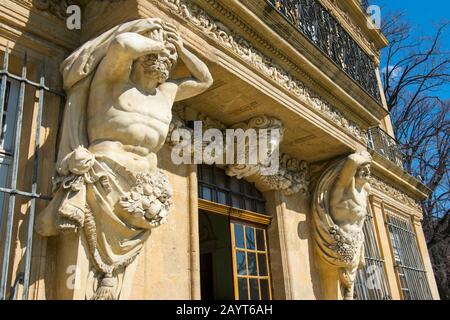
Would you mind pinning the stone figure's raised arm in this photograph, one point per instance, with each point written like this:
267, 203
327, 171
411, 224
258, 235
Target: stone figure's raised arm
201, 78
126, 48
350, 168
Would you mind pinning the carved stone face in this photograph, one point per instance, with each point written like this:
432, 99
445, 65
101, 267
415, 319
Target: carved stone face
363, 174
159, 66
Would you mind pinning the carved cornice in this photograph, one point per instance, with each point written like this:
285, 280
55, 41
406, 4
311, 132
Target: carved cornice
381, 185
232, 41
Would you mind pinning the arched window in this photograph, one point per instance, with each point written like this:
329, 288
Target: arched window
234, 262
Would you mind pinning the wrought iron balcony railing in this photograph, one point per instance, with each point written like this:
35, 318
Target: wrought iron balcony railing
364, 5
327, 34
383, 144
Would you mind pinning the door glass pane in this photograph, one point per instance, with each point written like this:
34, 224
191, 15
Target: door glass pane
262, 264
265, 294
239, 235
252, 264
260, 240
240, 263
243, 289
250, 238
254, 290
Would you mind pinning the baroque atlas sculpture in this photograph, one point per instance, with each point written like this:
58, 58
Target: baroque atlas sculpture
339, 209
108, 187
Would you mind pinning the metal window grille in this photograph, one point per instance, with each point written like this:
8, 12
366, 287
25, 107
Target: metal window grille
371, 281
9, 190
216, 186
409, 266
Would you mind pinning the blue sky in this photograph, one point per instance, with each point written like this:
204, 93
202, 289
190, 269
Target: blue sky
424, 16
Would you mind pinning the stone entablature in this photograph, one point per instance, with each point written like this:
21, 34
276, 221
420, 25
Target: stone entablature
232, 41
393, 192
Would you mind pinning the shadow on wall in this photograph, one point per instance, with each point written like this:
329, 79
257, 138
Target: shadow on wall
299, 205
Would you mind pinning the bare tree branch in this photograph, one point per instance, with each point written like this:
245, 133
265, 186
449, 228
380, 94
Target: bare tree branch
416, 71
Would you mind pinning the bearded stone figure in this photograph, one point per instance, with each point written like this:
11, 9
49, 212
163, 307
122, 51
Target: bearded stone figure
339, 211
108, 188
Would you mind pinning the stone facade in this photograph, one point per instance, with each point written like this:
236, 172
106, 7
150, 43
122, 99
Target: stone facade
243, 71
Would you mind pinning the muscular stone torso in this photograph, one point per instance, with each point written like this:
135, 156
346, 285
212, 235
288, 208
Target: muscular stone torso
127, 124
349, 209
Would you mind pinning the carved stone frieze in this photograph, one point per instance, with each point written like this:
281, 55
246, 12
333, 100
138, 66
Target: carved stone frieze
247, 52
378, 184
